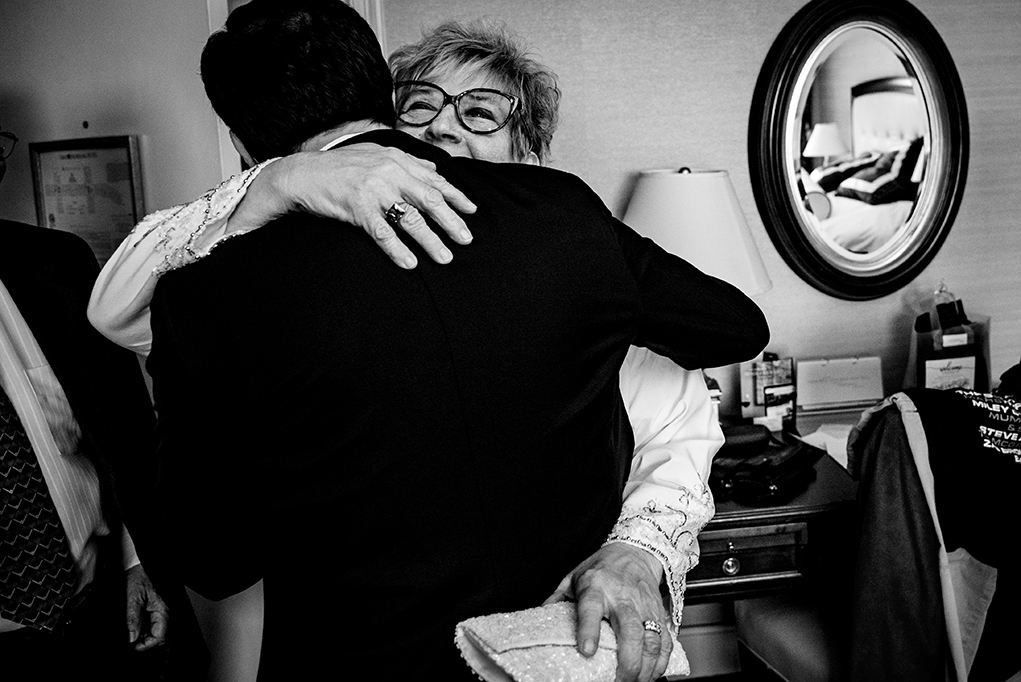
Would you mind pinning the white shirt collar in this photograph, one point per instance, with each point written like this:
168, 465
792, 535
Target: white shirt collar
342, 138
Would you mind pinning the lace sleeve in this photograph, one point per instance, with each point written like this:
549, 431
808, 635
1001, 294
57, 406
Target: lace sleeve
668, 530
677, 432
163, 241
187, 233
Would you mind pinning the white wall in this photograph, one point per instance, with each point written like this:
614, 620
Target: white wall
123, 66
668, 83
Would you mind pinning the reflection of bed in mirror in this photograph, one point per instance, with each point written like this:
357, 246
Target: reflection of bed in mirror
860, 227
859, 203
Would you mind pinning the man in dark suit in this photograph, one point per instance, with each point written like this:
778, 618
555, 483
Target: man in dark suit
75, 422
393, 451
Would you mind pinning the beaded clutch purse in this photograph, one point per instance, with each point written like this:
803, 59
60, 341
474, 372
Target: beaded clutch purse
539, 645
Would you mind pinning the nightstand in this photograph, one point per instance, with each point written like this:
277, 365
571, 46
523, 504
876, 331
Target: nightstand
750, 551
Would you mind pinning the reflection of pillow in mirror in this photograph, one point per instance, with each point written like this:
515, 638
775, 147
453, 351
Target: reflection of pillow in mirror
888, 180
819, 204
808, 184
828, 178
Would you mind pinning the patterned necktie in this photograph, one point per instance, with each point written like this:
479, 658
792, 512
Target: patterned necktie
37, 573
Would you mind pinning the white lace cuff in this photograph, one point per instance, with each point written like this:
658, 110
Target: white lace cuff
668, 530
184, 234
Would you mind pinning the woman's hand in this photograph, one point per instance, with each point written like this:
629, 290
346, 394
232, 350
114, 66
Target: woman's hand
621, 584
357, 184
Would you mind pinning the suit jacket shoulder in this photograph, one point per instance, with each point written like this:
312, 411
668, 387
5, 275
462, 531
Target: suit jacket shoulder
721, 325
29, 254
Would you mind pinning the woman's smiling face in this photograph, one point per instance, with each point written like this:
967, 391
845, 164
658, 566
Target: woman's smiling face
446, 131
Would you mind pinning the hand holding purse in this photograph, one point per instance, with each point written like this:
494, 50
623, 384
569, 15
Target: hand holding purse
540, 645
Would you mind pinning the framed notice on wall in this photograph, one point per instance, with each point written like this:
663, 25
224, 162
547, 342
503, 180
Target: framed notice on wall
89, 186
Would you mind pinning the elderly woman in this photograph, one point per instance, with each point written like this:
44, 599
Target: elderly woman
473, 92
508, 106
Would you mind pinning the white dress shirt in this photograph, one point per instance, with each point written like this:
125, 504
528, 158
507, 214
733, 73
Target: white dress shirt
676, 426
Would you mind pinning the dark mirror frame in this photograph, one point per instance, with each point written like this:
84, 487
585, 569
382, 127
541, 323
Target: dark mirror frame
930, 59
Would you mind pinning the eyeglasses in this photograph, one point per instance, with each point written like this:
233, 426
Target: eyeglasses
7, 142
480, 110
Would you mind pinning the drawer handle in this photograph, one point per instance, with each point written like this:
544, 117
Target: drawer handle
731, 565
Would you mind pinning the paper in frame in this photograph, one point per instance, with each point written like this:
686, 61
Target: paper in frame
89, 186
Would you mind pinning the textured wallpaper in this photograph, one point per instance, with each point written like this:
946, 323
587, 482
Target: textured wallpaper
668, 83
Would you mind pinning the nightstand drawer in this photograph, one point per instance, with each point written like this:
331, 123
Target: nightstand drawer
752, 557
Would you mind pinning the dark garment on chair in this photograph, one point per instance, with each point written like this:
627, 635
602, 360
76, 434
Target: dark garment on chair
1010, 383
898, 620
394, 451
898, 631
976, 484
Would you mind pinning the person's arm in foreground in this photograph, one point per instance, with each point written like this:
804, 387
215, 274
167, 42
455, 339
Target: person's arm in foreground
355, 184
666, 504
696, 320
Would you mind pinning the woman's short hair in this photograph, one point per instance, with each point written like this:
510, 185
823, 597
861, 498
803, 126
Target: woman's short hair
491, 47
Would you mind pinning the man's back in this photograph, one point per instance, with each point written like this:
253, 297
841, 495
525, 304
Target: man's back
447, 430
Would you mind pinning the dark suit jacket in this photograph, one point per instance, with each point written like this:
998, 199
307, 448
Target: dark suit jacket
50, 274
414, 447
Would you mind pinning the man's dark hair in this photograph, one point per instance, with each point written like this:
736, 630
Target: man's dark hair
280, 72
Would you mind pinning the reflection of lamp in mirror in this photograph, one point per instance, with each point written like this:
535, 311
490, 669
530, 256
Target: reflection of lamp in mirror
696, 215
825, 142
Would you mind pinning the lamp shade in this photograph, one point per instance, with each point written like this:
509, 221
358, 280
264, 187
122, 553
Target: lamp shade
824, 141
695, 215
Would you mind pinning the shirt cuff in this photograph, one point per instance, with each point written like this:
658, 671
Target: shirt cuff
128, 550
667, 528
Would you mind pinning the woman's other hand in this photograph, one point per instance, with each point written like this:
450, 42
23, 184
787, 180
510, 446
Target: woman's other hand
621, 584
357, 184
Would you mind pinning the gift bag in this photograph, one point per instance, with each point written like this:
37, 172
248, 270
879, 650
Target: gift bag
965, 366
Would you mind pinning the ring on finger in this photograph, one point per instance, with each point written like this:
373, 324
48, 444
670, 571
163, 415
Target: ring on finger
653, 626
394, 214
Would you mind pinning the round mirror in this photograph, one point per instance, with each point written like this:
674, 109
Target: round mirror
858, 145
